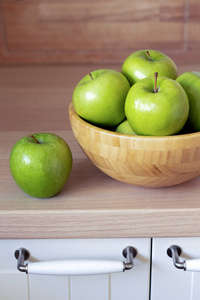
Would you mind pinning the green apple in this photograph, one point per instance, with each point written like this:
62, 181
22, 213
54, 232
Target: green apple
100, 96
145, 63
41, 164
157, 106
190, 81
125, 128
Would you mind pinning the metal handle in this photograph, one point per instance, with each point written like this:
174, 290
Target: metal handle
75, 267
174, 252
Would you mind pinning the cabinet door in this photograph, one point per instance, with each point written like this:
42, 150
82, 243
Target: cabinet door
167, 281
128, 285
13, 285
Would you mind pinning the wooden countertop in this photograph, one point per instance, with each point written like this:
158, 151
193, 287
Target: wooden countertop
91, 205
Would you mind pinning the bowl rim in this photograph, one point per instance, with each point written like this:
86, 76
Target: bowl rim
179, 137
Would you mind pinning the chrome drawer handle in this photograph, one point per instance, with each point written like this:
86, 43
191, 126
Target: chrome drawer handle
174, 252
75, 267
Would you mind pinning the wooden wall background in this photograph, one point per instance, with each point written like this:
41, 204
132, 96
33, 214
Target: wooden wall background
97, 31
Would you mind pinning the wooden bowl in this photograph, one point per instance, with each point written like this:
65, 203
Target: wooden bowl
139, 160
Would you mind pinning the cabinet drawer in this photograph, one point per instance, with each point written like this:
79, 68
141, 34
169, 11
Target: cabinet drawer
131, 284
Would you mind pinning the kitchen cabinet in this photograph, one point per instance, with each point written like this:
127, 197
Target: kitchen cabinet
153, 275
169, 282
131, 284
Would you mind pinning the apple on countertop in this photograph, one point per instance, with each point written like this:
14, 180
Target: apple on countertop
41, 164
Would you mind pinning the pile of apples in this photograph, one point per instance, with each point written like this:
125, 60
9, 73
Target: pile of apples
146, 98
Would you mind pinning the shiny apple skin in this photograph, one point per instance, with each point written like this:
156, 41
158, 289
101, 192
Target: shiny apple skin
41, 169
100, 100
190, 81
125, 128
157, 113
138, 66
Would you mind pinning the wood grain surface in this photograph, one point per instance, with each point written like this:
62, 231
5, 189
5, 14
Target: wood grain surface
139, 160
94, 205
60, 31
35, 99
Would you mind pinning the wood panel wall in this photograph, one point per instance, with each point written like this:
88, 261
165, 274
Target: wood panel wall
97, 31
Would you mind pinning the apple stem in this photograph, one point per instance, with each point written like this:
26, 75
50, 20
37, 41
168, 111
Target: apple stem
155, 86
90, 74
33, 137
147, 52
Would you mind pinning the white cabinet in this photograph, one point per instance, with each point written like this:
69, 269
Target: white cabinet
169, 282
128, 285
153, 275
